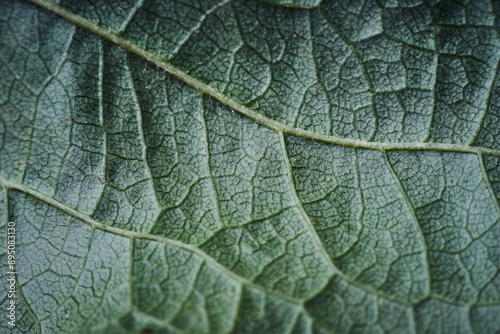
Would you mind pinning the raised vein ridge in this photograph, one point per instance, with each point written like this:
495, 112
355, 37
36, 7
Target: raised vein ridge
7, 185
235, 105
131, 234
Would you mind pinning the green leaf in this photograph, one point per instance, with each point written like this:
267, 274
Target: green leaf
251, 167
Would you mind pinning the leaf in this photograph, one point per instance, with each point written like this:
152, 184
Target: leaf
251, 167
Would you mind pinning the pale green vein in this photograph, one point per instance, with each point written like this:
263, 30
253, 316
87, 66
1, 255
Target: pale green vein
238, 310
235, 105
169, 328
487, 104
317, 240
298, 204
436, 51
192, 290
411, 209
130, 234
197, 26
131, 15
488, 184
413, 325
209, 166
76, 279
140, 129
291, 4
102, 177
46, 84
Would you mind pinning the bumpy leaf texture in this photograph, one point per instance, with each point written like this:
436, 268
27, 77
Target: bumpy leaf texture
284, 166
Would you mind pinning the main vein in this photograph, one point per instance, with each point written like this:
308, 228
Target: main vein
131, 234
235, 105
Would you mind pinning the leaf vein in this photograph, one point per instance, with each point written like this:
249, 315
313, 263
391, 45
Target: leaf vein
248, 112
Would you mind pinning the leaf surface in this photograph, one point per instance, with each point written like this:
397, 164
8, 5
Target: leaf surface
241, 166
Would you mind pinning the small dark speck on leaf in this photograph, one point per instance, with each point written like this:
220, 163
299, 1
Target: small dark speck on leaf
147, 331
20, 164
68, 121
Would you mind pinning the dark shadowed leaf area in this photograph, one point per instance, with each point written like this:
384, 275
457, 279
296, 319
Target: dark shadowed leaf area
240, 166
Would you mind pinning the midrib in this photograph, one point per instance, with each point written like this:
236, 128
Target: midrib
7, 185
235, 105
